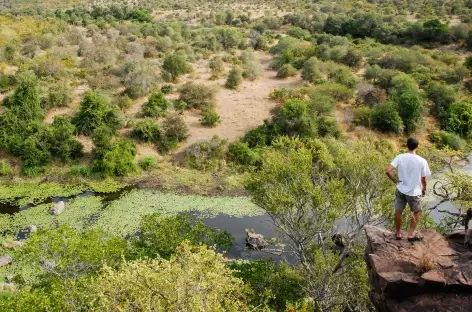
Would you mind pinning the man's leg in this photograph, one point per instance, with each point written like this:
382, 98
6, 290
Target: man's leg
415, 203
400, 204
415, 219
398, 223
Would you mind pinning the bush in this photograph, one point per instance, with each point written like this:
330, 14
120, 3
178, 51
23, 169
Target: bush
454, 75
146, 130
370, 95
60, 94
299, 33
216, 66
312, 70
95, 111
363, 116
242, 154
294, 120
175, 65
210, 118
328, 127
337, 91
80, 171
321, 105
161, 236
468, 62
342, 75
252, 68
119, 161
286, 71
385, 118
61, 140
206, 155
353, 58
410, 106
148, 163
5, 169
123, 102
167, 89
441, 97
174, 131
458, 119
197, 95
235, 78
444, 139
156, 106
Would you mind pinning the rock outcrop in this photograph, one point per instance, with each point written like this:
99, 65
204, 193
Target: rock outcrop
58, 208
5, 260
434, 275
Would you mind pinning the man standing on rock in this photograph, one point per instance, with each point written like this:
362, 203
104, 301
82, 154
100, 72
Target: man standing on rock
413, 171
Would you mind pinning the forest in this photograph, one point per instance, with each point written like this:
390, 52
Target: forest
141, 140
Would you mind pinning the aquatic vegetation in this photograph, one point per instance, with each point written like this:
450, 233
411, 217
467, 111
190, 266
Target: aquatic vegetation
122, 217
105, 186
35, 193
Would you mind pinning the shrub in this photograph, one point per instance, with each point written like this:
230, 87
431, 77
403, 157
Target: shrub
61, 140
167, 89
161, 236
385, 118
95, 111
148, 163
5, 169
342, 75
146, 130
80, 171
458, 119
175, 65
242, 154
294, 119
454, 75
25, 99
337, 91
299, 33
363, 116
328, 127
261, 136
444, 139
468, 62
409, 108
235, 78
180, 105
312, 70
156, 106
353, 58
119, 161
252, 68
123, 102
197, 95
60, 94
321, 105
216, 66
441, 97
206, 155
175, 127
370, 95
210, 118
286, 71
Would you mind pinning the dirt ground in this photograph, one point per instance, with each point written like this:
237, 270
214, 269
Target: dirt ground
240, 110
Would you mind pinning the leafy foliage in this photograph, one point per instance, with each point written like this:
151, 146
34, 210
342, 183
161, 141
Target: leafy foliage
206, 155
156, 106
235, 78
210, 118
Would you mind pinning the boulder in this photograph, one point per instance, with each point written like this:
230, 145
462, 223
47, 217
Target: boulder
7, 287
58, 208
5, 260
32, 228
432, 275
255, 241
12, 245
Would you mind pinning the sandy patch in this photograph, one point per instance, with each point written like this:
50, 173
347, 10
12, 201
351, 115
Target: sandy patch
86, 142
240, 110
59, 111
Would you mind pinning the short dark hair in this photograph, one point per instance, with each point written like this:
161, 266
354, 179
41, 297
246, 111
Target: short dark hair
412, 144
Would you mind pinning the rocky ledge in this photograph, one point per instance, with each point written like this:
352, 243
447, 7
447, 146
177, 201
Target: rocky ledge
434, 275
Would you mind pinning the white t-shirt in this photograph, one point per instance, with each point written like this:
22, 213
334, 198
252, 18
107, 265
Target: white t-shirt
411, 168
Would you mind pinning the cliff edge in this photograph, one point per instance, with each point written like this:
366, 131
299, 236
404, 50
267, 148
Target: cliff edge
434, 275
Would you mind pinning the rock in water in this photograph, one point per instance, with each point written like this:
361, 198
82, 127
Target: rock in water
432, 275
32, 228
5, 260
58, 208
255, 241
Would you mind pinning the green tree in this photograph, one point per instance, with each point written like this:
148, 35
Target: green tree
146, 130
61, 139
194, 279
434, 30
294, 120
118, 161
441, 97
95, 111
458, 119
156, 106
25, 100
160, 236
176, 65
385, 118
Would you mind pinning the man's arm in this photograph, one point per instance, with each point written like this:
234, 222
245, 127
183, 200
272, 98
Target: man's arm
423, 185
390, 175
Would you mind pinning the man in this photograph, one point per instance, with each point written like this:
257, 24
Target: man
411, 186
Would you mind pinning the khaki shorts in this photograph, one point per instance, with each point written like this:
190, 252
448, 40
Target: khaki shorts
414, 202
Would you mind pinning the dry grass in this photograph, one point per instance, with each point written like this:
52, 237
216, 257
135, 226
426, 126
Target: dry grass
427, 260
